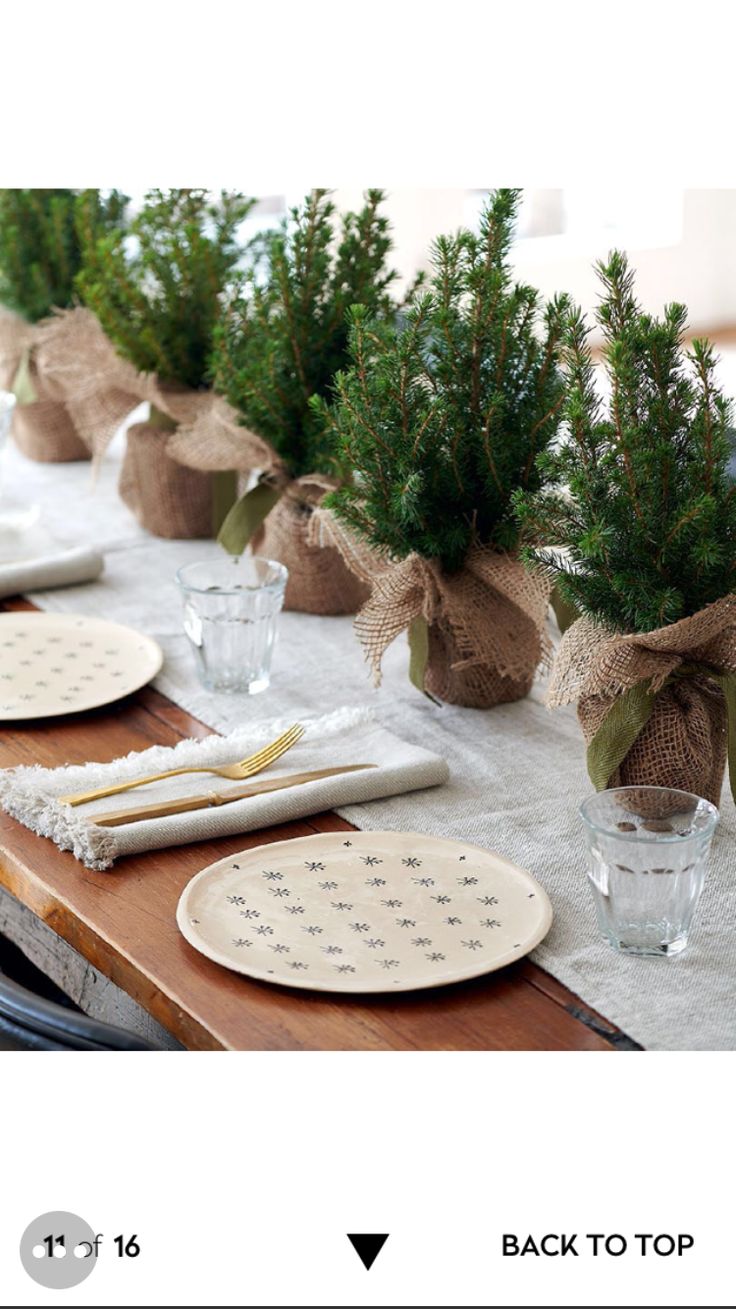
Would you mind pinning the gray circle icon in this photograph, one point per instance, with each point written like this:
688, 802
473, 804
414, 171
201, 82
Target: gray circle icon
58, 1250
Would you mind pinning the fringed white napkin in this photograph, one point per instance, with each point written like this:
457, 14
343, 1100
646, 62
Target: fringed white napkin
347, 736
54, 568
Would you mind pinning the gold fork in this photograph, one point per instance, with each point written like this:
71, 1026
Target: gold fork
254, 763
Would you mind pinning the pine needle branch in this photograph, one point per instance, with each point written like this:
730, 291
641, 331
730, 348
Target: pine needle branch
646, 508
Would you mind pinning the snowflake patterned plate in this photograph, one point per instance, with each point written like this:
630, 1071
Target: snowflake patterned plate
53, 664
364, 911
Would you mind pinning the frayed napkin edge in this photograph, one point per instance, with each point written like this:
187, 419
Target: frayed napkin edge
215, 748
25, 794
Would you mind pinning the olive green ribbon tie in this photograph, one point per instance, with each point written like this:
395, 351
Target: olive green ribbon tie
629, 714
565, 611
162, 421
224, 496
247, 515
418, 637
22, 385
626, 718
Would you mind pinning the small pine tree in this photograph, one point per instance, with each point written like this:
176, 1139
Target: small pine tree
157, 286
285, 336
40, 251
644, 506
441, 417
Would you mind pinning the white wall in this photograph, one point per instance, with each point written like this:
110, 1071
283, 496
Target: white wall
695, 263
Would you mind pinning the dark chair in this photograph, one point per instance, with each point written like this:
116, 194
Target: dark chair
31, 1022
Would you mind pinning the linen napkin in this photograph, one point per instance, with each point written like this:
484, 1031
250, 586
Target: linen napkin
54, 568
346, 736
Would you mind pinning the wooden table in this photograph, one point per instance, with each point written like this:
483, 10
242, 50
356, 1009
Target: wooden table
111, 940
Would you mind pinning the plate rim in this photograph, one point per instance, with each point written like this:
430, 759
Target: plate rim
302, 984
95, 703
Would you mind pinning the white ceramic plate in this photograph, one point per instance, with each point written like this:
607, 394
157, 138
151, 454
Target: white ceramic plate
364, 911
53, 664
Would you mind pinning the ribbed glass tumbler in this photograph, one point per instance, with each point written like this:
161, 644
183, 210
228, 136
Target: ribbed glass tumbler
648, 852
231, 606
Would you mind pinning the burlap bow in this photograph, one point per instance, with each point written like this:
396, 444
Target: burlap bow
215, 439
654, 692
491, 612
18, 365
79, 365
42, 426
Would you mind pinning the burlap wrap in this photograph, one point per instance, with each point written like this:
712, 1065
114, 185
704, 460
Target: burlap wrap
485, 624
166, 498
80, 364
683, 742
319, 581
212, 439
43, 429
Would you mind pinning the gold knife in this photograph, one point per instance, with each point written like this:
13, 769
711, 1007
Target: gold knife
212, 799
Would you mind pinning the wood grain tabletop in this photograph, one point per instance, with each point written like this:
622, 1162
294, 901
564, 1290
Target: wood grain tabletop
123, 922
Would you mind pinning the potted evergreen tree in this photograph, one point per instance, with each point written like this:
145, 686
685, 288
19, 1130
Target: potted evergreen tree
645, 515
281, 343
437, 423
153, 293
40, 257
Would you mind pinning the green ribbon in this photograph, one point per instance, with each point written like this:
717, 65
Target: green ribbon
565, 612
164, 422
418, 634
629, 714
224, 495
246, 516
626, 718
22, 386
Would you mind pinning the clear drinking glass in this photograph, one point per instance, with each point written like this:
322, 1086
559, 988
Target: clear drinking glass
230, 612
648, 850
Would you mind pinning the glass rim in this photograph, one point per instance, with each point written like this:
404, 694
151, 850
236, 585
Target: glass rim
8, 401
280, 570
662, 837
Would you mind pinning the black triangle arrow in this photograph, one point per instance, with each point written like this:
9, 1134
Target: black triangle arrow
368, 1245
